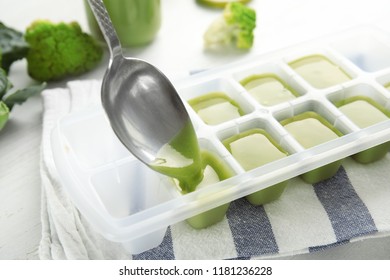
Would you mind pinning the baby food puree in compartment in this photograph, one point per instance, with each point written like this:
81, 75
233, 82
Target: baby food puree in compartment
214, 171
310, 129
191, 169
215, 108
364, 112
268, 89
319, 71
252, 149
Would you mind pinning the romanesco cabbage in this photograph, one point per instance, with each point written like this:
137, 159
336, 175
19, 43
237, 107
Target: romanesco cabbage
60, 50
234, 28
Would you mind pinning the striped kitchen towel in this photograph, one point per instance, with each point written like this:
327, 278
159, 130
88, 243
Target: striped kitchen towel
352, 205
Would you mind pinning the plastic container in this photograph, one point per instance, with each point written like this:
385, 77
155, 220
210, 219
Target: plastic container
136, 21
131, 204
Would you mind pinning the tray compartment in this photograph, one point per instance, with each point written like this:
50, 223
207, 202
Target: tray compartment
364, 106
217, 169
269, 84
87, 136
367, 51
321, 69
304, 123
215, 90
258, 139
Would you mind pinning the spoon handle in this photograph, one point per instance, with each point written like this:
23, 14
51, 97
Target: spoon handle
108, 30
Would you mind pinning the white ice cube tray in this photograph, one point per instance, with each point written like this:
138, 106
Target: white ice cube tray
130, 204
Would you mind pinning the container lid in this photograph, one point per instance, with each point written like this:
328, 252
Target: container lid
219, 3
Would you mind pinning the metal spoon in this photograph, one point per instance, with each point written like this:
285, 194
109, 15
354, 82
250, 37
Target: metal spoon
144, 109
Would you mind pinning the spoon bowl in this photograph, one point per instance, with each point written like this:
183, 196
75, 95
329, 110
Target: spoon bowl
142, 106
146, 112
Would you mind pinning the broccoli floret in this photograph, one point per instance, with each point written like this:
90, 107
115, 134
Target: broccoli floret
60, 50
234, 28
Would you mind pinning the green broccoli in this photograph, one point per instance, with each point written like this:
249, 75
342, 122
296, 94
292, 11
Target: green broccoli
12, 46
234, 28
9, 97
60, 50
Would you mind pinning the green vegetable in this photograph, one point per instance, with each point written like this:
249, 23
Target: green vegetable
13, 46
234, 28
9, 99
4, 113
219, 3
5, 84
60, 50
21, 95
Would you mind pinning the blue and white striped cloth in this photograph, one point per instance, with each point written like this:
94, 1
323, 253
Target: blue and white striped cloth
352, 205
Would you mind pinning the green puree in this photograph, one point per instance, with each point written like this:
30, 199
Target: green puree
310, 129
214, 172
253, 148
136, 21
181, 159
373, 112
310, 132
364, 112
319, 71
215, 108
192, 169
219, 168
268, 89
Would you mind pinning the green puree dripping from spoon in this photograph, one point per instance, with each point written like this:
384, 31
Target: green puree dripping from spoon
181, 159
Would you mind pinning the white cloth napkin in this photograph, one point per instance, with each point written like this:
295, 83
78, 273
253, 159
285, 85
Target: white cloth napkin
65, 234
352, 205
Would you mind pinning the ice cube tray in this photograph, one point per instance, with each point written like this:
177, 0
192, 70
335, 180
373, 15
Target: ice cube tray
130, 204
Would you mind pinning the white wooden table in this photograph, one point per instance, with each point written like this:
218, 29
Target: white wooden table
280, 23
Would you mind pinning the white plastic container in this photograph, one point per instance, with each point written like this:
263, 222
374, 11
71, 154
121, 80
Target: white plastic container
128, 203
